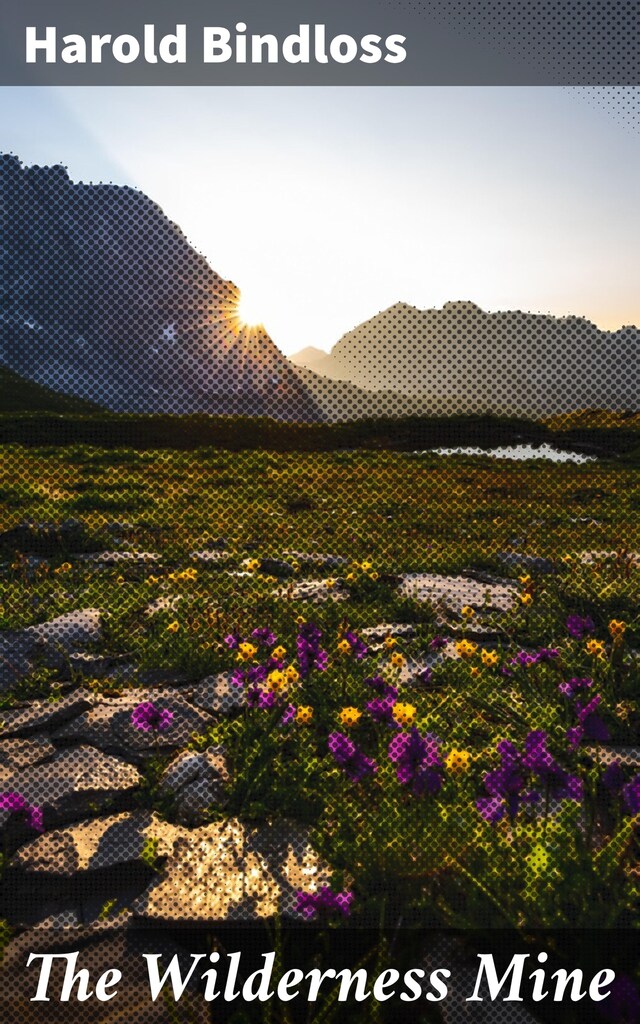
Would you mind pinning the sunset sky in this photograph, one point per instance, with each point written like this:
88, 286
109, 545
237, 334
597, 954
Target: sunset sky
325, 205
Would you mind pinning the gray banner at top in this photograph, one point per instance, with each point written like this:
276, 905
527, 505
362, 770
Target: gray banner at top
356, 42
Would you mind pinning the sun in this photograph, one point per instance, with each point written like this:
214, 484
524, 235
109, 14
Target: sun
247, 312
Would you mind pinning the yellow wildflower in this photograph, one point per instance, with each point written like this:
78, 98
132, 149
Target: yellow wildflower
474, 671
344, 647
277, 680
397, 659
526, 598
279, 652
458, 761
304, 715
330, 583
246, 651
292, 674
389, 642
466, 648
617, 629
173, 627
350, 577
366, 566
252, 564
152, 579
595, 648
404, 714
65, 567
374, 576
525, 580
489, 658
467, 611
120, 580
350, 717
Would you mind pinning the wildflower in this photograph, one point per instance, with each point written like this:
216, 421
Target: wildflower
590, 726
380, 687
578, 626
330, 583
149, 718
289, 715
65, 567
359, 649
173, 627
390, 642
595, 648
489, 658
246, 651
425, 675
404, 714
417, 760
438, 643
310, 904
397, 659
350, 577
623, 1001
458, 761
292, 674
374, 576
151, 580
232, 640
310, 654
366, 566
265, 637
525, 580
350, 717
466, 648
30, 814
344, 647
617, 629
354, 763
252, 564
573, 686
613, 778
304, 715
279, 652
631, 795
557, 783
120, 580
381, 709
467, 611
474, 671
526, 599
506, 786
277, 680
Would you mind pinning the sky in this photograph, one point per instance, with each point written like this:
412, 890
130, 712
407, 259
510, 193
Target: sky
326, 205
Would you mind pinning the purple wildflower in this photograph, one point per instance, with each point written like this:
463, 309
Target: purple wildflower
324, 901
265, 637
149, 718
578, 626
613, 778
310, 654
631, 795
623, 1002
232, 640
438, 643
590, 725
505, 785
573, 686
527, 659
381, 709
359, 649
354, 763
558, 784
417, 760
15, 803
289, 715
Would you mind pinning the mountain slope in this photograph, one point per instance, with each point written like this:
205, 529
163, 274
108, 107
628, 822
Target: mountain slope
459, 359
20, 395
102, 297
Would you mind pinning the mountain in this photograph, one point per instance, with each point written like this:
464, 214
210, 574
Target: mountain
103, 298
459, 359
20, 395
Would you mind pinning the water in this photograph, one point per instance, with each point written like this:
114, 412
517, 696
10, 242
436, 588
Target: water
518, 453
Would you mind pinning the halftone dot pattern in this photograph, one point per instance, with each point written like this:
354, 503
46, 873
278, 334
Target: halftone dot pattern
345, 684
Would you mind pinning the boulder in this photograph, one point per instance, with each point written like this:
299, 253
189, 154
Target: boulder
196, 781
48, 644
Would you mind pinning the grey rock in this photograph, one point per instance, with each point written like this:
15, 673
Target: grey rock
120, 559
276, 567
377, 634
100, 843
315, 591
105, 944
452, 593
17, 754
217, 695
212, 559
229, 872
40, 715
197, 781
100, 666
108, 726
77, 781
48, 644
528, 563
315, 561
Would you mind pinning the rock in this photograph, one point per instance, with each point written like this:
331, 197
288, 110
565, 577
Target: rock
377, 634
330, 563
229, 872
76, 781
100, 666
163, 604
211, 559
45, 539
628, 756
454, 592
527, 563
197, 781
627, 558
17, 754
40, 715
109, 944
316, 591
217, 695
48, 644
97, 844
120, 559
276, 567
108, 726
